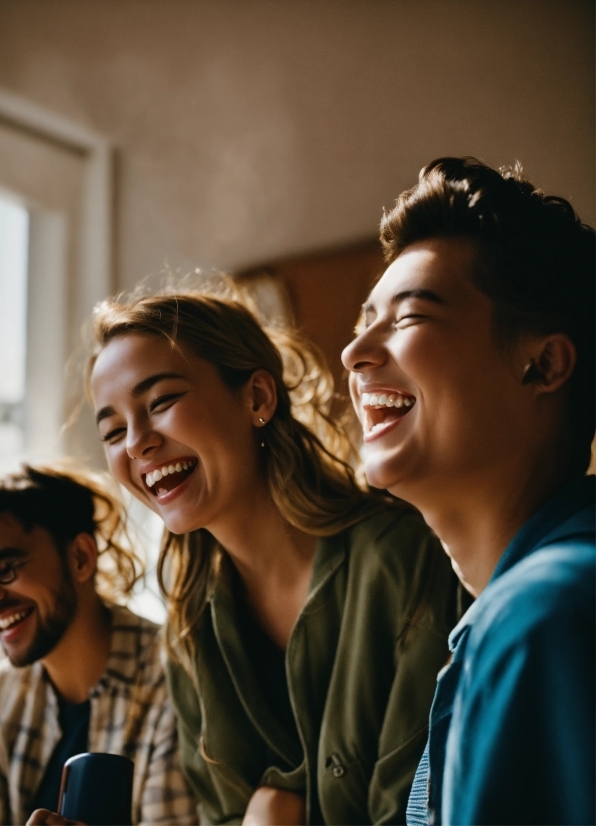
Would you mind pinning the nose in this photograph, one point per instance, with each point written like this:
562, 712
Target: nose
141, 440
363, 353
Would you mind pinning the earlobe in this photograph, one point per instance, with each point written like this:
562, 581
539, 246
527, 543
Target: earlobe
552, 365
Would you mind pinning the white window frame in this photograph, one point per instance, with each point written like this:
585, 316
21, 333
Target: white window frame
47, 352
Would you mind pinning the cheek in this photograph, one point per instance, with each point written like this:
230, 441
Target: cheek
118, 466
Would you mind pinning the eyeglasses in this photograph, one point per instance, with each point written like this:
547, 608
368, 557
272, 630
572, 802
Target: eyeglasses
8, 572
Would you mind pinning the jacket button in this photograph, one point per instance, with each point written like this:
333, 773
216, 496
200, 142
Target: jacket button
338, 771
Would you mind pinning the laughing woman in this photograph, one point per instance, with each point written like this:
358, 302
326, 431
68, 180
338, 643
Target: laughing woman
307, 618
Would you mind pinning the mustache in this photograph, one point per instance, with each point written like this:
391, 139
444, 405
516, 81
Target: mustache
11, 603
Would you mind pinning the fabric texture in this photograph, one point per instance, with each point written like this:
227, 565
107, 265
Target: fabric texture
131, 715
361, 666
512, 726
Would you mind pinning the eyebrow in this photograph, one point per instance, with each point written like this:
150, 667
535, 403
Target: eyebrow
12, 553
425, 295
137, 391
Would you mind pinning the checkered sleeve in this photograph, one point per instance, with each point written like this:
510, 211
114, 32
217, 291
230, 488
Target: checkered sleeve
166, 797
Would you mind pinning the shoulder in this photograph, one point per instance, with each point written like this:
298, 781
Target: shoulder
545, 602
136, 644
395, 542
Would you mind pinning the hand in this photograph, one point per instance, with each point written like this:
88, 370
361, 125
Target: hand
41, 816
275, 807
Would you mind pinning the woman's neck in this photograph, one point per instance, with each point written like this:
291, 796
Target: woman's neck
274, 560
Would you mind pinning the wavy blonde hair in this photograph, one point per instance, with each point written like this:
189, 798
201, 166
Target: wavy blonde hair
308, 458
66, 499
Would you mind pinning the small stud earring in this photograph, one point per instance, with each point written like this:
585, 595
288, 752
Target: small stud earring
532, 374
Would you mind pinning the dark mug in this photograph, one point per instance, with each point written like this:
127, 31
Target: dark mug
97, 789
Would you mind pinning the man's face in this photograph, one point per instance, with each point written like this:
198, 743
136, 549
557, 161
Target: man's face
38, 605
439, 403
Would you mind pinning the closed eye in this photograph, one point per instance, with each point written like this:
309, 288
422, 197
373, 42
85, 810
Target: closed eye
163, 402
412, 318
113, 435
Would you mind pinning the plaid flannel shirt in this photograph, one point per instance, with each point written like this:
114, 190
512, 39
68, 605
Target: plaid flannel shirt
131, 714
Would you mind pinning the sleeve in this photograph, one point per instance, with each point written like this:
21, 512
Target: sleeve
420, 653
166, 796
521, 742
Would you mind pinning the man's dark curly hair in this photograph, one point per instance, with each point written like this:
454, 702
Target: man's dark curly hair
536, 261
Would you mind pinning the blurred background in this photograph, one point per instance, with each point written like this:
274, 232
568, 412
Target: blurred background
263, 137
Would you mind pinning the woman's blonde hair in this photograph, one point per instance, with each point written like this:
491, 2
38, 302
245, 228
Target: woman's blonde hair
66, 500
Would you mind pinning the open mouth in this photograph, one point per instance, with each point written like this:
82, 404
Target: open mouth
383, 409
11, 620
167, 477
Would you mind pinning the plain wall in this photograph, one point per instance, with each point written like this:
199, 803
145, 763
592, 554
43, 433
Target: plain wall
252, 129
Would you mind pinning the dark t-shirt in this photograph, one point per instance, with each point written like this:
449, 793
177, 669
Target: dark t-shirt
74, 723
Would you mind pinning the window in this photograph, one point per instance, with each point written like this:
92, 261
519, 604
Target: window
14, 241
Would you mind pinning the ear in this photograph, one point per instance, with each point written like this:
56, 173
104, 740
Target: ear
82, 557
262, 397
551, 362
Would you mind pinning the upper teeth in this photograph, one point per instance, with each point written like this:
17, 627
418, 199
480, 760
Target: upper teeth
155, 475
5, 622
384, 400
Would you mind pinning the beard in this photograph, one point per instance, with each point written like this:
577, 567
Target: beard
50, 629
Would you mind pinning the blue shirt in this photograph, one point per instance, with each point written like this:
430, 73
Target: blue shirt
512, 726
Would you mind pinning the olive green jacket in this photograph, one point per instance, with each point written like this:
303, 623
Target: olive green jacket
361, 665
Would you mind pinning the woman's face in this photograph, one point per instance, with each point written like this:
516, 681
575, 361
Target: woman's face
438, 401
175, 435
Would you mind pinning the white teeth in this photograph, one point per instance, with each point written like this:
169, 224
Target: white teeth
384, 400
6, 622
154, 476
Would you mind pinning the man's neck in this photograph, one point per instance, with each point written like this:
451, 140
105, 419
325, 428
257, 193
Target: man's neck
77, 662
477, 521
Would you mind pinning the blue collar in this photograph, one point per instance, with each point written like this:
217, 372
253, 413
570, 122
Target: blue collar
563, 515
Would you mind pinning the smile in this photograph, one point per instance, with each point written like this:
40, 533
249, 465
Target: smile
169, 476
383, 410
11, 620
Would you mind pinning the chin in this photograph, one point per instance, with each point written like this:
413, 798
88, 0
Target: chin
179, 524
380, 475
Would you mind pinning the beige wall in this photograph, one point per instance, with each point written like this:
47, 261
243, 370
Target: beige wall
249, 129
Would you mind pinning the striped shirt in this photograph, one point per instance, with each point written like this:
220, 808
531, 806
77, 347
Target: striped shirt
131, 715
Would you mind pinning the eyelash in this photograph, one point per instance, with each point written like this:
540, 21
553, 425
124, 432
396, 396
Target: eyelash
162, 399
409, 315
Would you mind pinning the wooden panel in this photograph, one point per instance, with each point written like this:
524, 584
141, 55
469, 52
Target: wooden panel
326, 290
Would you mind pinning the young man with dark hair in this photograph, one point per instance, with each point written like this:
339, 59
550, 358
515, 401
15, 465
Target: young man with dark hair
81, 674
473, 377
